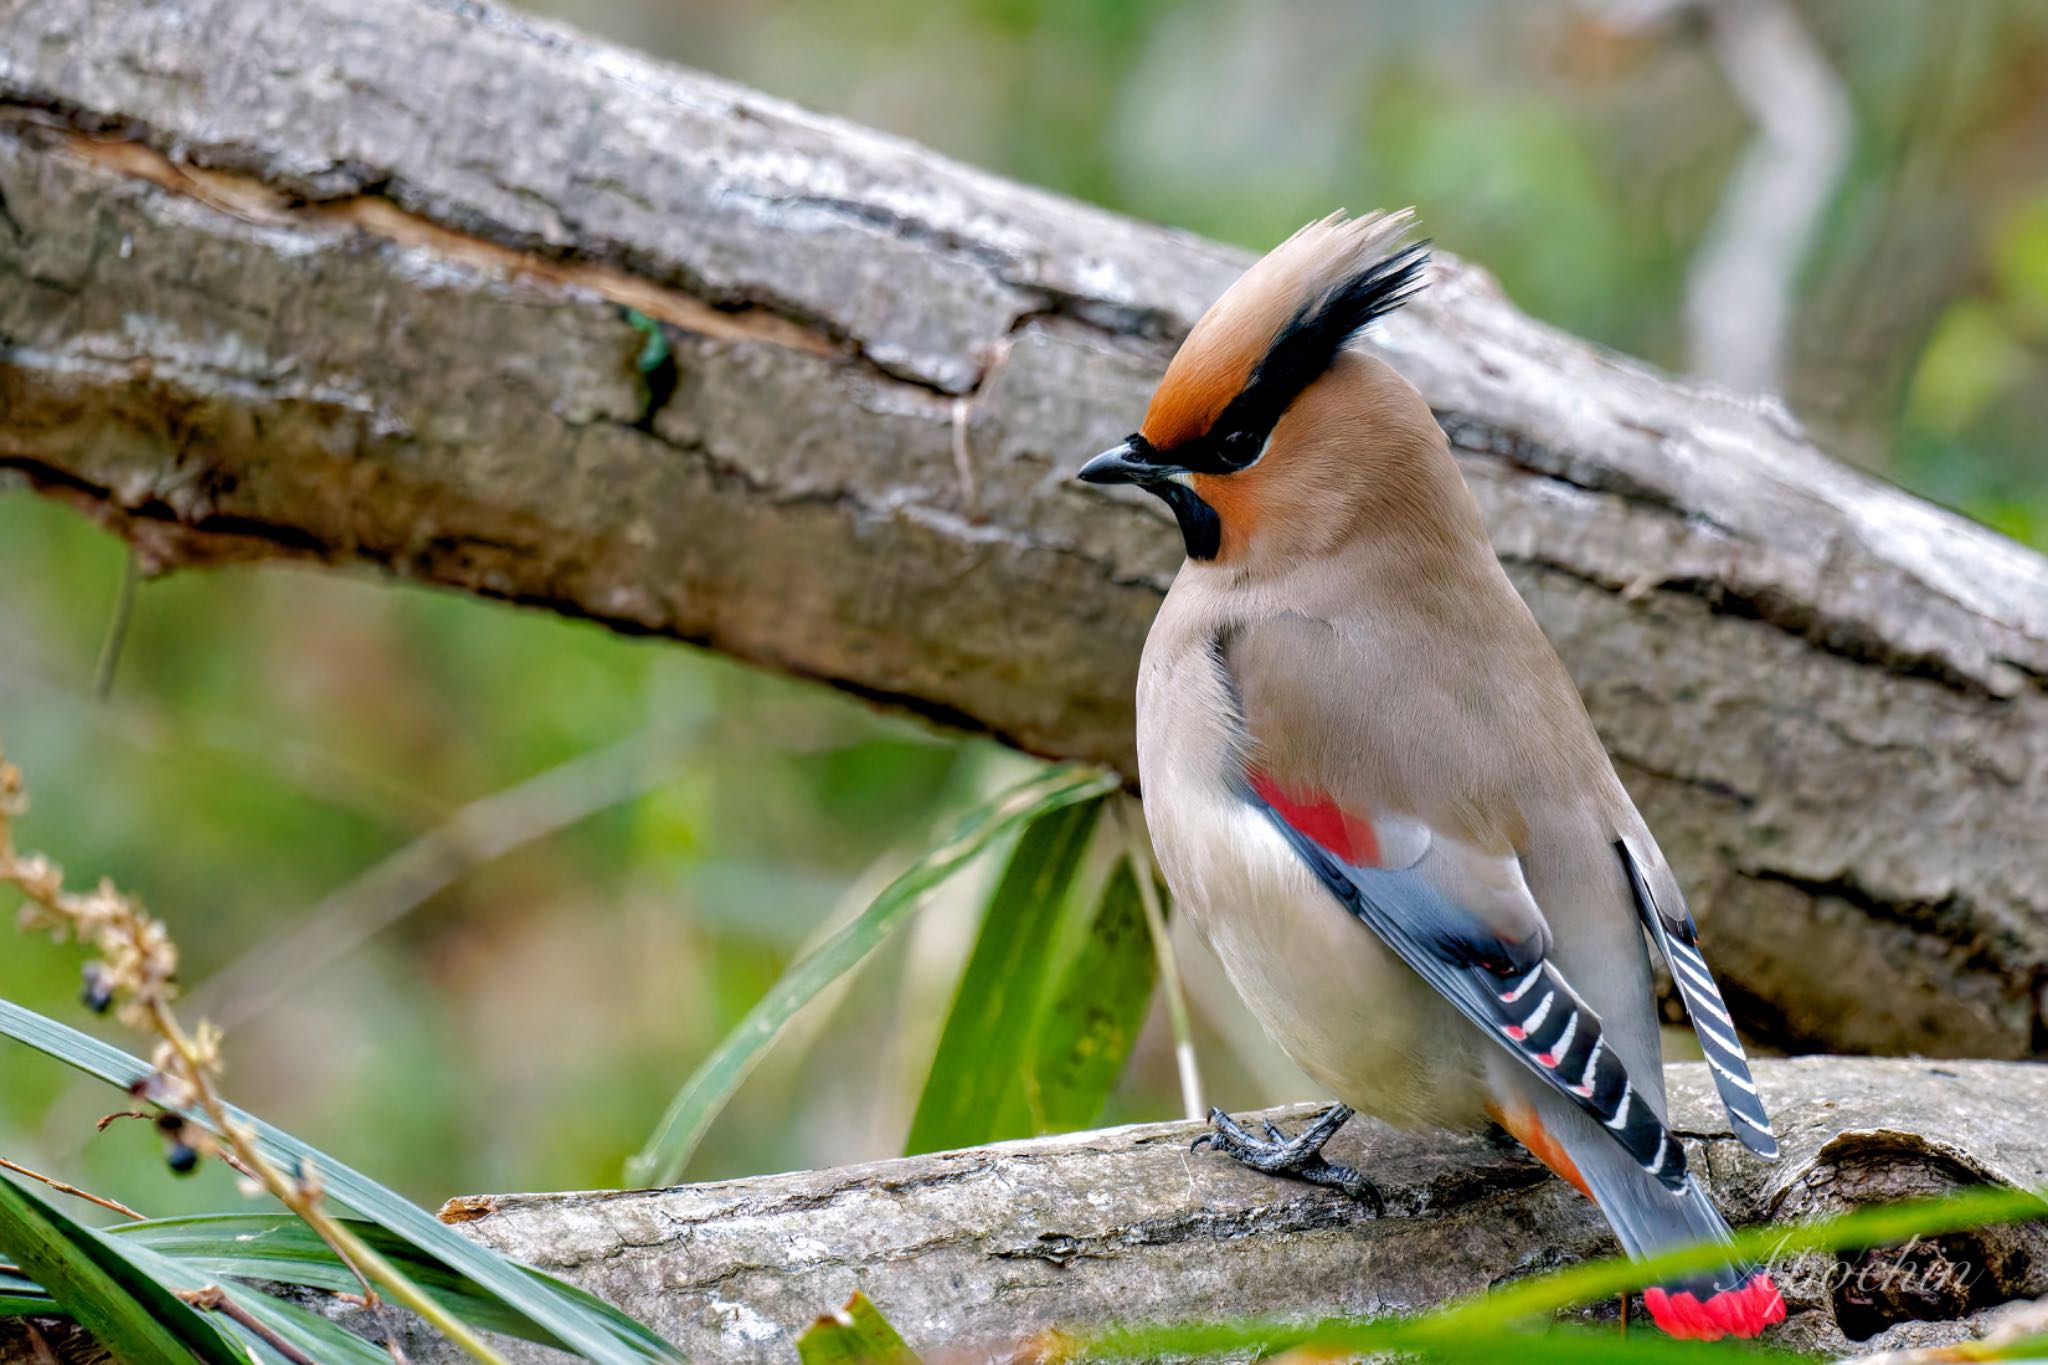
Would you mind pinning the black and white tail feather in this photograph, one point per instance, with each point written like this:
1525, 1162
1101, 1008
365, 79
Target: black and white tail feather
1678, 939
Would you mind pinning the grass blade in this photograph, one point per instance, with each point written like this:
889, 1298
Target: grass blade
857, 1334
276, 1248
1880, 1226
311, 1335
1093, 1011
19, 1294
138, 1320
976, 1090
1129, 819
584, 1325
279, 1249
1407, 1339
690, 1113
1496, 1323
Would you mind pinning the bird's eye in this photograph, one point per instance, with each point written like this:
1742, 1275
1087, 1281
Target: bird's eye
1240, 449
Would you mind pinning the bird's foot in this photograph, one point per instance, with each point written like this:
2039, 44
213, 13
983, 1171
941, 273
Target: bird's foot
1300, 1157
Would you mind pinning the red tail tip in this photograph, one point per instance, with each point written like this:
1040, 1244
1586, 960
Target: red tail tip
1739, 1312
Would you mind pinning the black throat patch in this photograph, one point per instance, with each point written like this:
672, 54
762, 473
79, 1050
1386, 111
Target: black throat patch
1297, 356
1200, 528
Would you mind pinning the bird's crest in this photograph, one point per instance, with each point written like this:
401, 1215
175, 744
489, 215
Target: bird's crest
1276, 330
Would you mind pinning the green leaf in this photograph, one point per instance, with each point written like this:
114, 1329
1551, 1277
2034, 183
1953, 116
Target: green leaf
277, 1248
312, 1335
976, 1091
308, 1332
1409, 1338
137, 1319
1093, 1012
1862, 1228
690, 1113
857, 1334
592, 1329
19, 1294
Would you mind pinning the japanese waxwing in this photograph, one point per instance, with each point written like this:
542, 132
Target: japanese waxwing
1375, 789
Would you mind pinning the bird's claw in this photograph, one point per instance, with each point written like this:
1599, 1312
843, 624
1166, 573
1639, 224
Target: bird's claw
1300, 1157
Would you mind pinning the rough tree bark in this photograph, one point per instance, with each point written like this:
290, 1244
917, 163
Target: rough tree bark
1126, 1225
978, 1249
350, 283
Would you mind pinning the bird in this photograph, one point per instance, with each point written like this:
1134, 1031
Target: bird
1374, 788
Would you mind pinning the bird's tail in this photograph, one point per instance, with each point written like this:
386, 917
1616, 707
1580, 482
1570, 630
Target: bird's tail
1735, 1299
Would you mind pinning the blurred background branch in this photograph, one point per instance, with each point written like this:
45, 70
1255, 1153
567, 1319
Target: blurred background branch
1742, 288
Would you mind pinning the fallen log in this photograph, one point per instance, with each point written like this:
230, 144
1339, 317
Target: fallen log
373, 283
972, 1252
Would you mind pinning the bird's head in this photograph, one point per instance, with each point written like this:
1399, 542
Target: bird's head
1244, 438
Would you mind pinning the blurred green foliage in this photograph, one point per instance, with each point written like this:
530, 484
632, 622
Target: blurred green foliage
273, 734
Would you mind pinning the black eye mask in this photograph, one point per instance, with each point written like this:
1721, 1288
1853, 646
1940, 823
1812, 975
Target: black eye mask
1298, 356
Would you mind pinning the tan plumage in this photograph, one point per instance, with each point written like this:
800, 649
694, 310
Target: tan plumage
1371, 628
1344, 706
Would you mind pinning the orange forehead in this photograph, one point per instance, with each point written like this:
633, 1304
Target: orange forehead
1223, 349
1211, 368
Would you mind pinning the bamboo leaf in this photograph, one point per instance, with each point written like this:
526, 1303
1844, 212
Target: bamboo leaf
857, 1334
138, 1320
708, 1089
592, 1329
976, 1091
1094, 1011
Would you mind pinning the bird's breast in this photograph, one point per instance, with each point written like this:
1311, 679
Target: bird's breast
1336, 1000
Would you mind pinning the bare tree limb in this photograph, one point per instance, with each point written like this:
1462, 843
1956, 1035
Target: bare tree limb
349, 283
1127, 1225
985, 1247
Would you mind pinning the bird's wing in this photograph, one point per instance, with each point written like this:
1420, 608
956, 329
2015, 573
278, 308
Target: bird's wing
1461, 916
1671, 924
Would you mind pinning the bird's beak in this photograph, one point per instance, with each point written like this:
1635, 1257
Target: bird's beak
1126, 463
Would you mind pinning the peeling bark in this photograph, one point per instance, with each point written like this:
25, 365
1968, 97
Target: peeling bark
980, 1249
351, 286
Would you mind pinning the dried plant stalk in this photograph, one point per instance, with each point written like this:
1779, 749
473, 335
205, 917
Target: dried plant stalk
134, 973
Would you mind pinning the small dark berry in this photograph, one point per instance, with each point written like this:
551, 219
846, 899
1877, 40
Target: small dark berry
170, 1124
97, 993
183, 1158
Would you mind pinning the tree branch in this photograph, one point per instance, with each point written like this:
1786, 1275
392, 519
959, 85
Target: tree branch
351, 285
986, 1247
